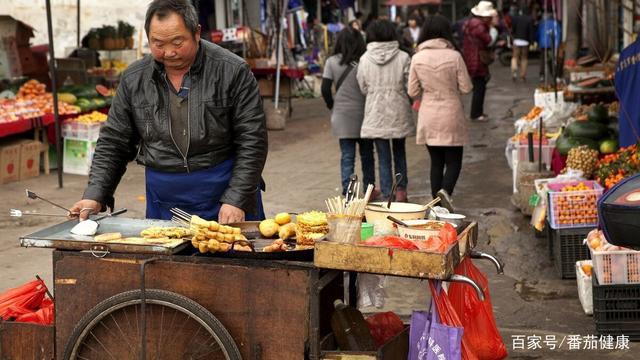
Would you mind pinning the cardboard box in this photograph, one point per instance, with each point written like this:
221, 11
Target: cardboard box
30, 159
77, 156
9, 162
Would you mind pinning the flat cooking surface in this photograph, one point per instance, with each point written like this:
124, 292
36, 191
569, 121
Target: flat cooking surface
60, 236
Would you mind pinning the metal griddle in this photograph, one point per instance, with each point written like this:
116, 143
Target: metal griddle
60, 237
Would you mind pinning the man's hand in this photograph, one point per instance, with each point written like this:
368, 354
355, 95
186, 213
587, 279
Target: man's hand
230, 214
84, 208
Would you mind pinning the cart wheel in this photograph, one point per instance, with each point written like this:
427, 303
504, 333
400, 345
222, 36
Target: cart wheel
176, 328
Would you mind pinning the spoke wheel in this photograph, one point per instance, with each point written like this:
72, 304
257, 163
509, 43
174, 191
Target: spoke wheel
176, 328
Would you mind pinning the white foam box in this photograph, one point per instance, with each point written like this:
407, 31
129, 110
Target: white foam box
547, 99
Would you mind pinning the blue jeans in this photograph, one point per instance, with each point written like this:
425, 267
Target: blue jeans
385, 161
348, 161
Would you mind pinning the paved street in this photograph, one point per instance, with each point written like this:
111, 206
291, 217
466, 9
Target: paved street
303, 169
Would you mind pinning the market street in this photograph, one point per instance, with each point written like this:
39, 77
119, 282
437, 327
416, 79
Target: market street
303, 169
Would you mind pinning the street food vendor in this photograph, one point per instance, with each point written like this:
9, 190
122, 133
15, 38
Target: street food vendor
192, 115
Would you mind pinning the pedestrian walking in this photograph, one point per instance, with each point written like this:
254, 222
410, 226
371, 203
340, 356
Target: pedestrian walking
477, 54
438, 77
347, 108
523, 36
411, 33
383, 73
549, 37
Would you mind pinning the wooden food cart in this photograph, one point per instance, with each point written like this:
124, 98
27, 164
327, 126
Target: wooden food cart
257, 308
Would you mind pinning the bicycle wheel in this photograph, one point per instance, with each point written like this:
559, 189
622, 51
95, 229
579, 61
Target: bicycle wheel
176, 328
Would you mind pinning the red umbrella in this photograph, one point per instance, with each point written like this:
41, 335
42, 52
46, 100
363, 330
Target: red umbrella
413, 2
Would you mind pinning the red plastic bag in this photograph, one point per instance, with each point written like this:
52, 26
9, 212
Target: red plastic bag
448, 316
43, 316
439, 243
27, 302
390, 241
480, 328
384, 326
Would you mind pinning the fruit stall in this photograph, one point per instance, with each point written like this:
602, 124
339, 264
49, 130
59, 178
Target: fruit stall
194, 287
580, 189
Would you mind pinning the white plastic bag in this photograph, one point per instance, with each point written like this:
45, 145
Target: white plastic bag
371, 290
585, 290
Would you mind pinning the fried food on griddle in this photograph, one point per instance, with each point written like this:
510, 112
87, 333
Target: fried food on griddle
213, 237
311, 226
108, 237
169, 232
287, 231
277, 246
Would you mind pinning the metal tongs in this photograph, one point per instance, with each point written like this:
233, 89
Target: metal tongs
34, 196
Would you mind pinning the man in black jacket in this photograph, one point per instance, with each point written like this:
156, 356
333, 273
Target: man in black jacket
523, 37
192, 115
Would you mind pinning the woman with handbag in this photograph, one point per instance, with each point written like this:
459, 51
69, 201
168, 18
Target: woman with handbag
477, 54
347, 108
438, 77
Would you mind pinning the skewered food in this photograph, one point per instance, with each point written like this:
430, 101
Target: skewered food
209, 236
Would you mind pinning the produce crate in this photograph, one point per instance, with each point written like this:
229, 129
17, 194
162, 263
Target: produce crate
573, 209
81, 131
568, 248
616, 309
616, 267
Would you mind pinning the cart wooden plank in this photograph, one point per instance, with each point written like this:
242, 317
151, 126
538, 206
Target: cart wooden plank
468, 238
397, 262
26, 341
60, 237
385, 261
265, 305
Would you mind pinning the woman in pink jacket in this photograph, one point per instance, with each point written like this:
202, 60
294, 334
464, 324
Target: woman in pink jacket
438, 77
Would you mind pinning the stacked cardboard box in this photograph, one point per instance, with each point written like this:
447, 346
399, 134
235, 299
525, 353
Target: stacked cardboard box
19, 160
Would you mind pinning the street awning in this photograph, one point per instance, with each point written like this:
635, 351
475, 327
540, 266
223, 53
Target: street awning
413, 2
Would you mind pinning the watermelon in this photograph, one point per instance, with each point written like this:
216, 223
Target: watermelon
598, 113
614, 129
565, 143
586, 129
102, 90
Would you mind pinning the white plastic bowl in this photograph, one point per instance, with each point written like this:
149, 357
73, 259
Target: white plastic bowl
377, 215
454, 219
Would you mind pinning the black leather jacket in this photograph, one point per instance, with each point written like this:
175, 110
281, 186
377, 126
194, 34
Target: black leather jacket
226, 119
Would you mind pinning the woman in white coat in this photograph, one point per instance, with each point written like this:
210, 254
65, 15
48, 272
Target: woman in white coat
383, 75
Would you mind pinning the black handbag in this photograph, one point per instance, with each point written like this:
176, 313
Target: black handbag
619, 213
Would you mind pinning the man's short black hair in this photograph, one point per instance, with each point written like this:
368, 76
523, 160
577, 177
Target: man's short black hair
381, 31
162, 9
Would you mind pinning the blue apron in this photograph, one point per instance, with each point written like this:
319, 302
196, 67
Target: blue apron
197, 192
